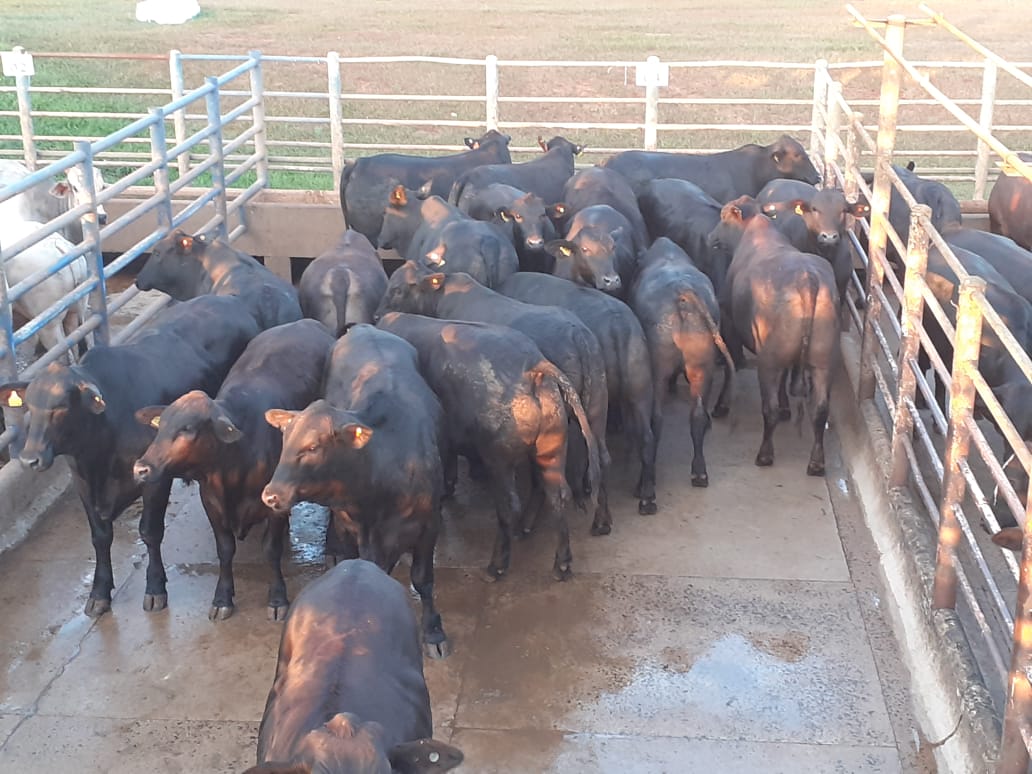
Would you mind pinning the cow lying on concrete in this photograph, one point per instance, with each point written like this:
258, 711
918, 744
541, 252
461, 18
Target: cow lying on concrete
85, 412
349, 695
371, 452
782, 305
186, 266
225, 444
342, 286
508, 406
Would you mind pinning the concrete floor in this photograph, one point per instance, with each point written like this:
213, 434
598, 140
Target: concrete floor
738, 630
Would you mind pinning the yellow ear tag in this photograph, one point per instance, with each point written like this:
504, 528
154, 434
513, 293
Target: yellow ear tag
566, 251
799, 209
436, 282
15, 401
186, 242
358, 432
155, 422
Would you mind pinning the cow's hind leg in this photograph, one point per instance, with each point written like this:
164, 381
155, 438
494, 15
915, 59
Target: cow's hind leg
273, 540
784, 409
769, 378
821, 393
549, 456
507, 507
435, 642
699, 380
152, 531
647, 442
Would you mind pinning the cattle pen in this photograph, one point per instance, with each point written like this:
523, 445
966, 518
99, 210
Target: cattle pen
919, 477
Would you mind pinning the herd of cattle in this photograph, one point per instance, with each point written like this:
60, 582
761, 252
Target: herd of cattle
539, 310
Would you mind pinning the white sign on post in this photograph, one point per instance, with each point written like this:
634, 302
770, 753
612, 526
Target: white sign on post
652, 74
17, 63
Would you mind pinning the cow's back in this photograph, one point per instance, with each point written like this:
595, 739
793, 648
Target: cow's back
1010, 207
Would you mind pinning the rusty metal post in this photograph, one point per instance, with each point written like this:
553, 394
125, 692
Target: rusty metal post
850, 187
887, 114
966, 347
832, 140
913, 310
821, 79
1014, 757
985, 120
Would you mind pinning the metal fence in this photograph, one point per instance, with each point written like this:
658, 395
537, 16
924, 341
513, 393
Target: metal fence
356, 105
954, 479
210, 147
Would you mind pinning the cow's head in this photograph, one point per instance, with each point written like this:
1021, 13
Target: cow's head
490, 138
401, 215
790, 159
174, 265
530, 219
74, 190
825, 214
346, 744
564, 145
414, 289
588, 259
317, 442
190, 433
61, 404
725, 236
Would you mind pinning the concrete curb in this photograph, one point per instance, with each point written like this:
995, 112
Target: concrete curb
946, 682
25, 496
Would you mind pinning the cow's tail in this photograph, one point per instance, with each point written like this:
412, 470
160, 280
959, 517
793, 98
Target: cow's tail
345, 177
573, 405
592, 373
690, 302
340, 286
801, 384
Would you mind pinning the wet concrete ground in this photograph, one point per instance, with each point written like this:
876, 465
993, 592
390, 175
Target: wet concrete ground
738, 630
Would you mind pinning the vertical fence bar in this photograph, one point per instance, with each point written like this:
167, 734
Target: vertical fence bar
491, 91
159, 153
913, 310
95, 256
175, 78
8, 363
850, 186
966, 346
23, 85
887, 114
821, 79
1014, 758
336, 127
831, 134
651, 103
985, 120
258, 116
218, 170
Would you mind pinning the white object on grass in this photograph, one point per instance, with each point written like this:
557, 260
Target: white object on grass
167, 11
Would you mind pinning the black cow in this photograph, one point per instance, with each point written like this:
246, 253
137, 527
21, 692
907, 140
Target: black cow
227, 446
679, 313
186, 266
1010, 206
624, 352
530, 220
686, 215
815, 221
85, 412
598, 250
725, 175
410, 217
371, 452
598, 185
545, 176
343, 285
365, 183
508, 406
349, 695
944, 205
1013, 262
782, 305
559, 334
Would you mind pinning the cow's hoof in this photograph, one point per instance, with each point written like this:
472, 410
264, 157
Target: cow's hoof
97, 607
764, 460
814, 469
277, 612
220, 612
719, 412
155, 602
647, 507
437, 650
491, 574
700, 479
562, 572
601, 529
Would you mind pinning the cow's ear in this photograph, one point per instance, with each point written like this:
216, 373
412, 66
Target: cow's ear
776, 157
560, 248
12, 394
185, 243
770, 209
860, 209
354, 434
398, 197
60, 189
280, 768
910, 166
280, 418
556, 211
433, 281
541, 143
472, 143
435, 257
424, 756
503, 214
1009, 537
731, 213
578, 149
150, 416
225, 430
799, 207
425, 189
91, 397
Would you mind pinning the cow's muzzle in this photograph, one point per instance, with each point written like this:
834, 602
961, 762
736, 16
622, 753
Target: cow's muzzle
828, 238
274, 498
142, 472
